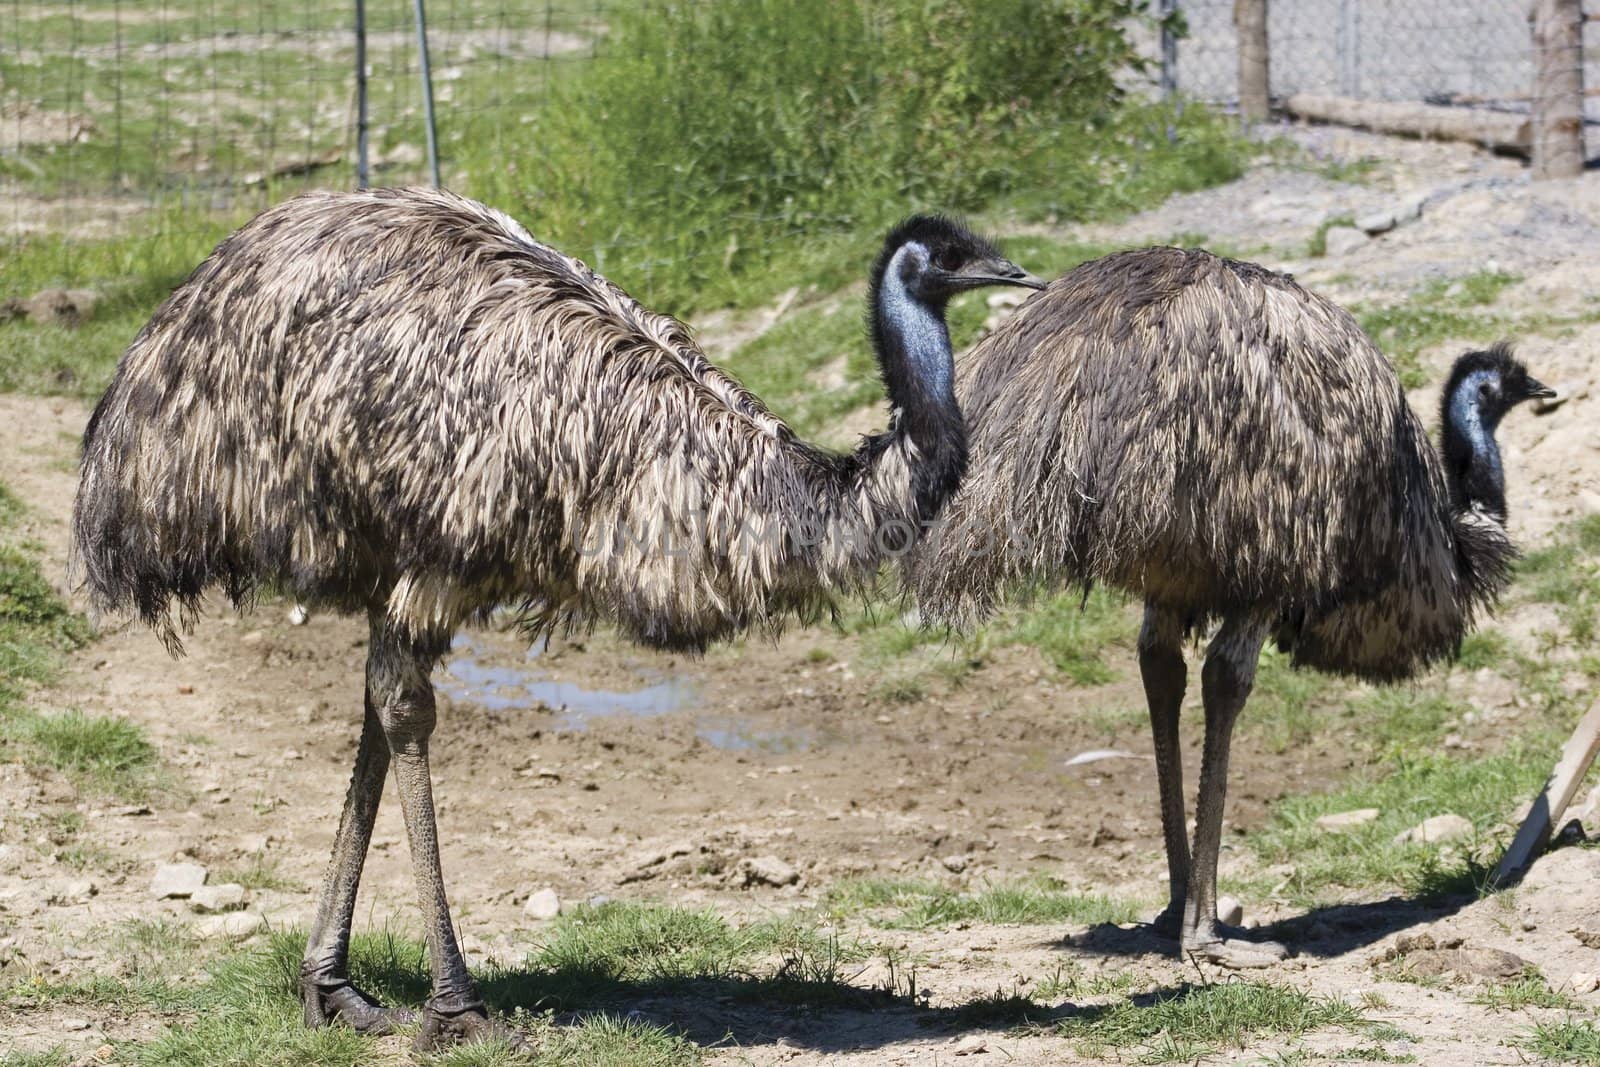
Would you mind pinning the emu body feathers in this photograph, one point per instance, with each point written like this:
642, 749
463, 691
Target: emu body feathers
1214, 437
402, 390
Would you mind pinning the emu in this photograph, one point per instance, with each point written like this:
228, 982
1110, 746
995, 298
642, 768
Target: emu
399, 403
1209, 436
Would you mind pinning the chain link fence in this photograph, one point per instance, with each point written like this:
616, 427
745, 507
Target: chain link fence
116, 113
1460, 53
125, 116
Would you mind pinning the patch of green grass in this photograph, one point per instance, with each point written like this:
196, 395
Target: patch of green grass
1528, 990
1374, 1054
601, 1040
792, 123
1568, 1041
55, 1057
36, 629
112, 753
1072, 982
915, 904
1566, 574
594, 958
1074, 632
1196, 1021
1318, 245
257, 872
1407, 790
1483, 648
1287, 706
1447, 309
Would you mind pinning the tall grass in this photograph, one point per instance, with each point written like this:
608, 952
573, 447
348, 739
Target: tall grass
711, 141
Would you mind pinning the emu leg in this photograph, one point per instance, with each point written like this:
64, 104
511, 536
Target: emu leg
1161, 666
453, 1010
1226, 679
325, 989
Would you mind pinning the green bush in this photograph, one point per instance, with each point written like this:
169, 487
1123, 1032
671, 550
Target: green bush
708, 137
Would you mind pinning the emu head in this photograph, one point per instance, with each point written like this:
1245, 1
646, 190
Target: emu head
934, 257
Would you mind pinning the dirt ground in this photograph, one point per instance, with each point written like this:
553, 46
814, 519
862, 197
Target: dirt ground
580, 766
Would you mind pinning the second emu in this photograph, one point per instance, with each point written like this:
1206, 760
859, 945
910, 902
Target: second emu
399, 403
1212, 437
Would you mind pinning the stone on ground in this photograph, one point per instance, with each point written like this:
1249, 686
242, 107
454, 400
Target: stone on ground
224, 897
544, 904
177, 880
1440, 828
1344, 820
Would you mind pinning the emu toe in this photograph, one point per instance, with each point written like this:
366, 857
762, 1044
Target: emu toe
1227, 946
441, 1029
344, 1003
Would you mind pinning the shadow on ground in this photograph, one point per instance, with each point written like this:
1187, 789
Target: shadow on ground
1323, 933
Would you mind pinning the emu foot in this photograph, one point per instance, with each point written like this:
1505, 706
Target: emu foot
326, 1004
1227, 946
442, 1028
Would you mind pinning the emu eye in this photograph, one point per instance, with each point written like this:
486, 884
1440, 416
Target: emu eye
1485, 391
947, 259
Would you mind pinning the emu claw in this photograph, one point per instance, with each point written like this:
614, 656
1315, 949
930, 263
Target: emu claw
325, 1005
1234, 952
440, 1028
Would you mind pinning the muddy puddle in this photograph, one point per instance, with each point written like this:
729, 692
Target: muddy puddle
477, 673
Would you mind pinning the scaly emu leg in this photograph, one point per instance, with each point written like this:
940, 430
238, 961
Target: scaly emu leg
325, 989
1225, 680
406, 712
1161, 666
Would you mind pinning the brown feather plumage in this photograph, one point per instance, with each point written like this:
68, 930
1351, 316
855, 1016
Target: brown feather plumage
1213, 437
401, 394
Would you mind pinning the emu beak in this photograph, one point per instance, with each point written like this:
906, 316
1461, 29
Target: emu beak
1545, 399
996, 272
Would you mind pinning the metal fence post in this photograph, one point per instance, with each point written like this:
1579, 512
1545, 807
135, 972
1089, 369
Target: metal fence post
363, 173
1169, 49
427, 93
1350, 47
1557, 88
1250, 23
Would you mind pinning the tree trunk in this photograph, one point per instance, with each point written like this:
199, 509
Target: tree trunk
1557, 88
1250, 23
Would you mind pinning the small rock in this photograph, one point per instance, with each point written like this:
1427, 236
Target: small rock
1447, 827
298, 616
74, 1024
177, 880
1584, 982
231, 926
78, 892
224, 897
768, 870
1342, 240
971, 1045
544, 904
64, 307
1344, 820
1229, 911
954, 863
1377, 222
11, 858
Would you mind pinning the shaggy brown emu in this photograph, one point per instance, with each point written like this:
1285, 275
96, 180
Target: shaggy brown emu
1211, 436
399, 403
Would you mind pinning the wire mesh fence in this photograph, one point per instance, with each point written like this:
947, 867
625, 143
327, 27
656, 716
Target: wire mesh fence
114, 110
132, 116
1460, 53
